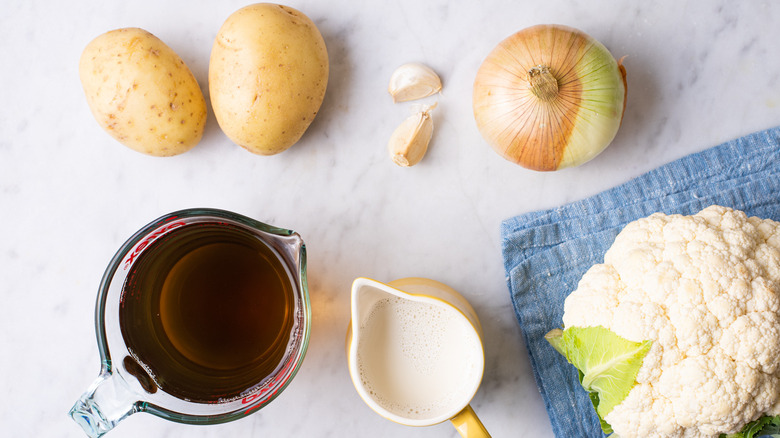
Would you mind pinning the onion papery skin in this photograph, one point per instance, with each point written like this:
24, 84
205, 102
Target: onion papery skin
566, 130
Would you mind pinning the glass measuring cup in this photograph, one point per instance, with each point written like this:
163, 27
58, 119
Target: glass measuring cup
127, 384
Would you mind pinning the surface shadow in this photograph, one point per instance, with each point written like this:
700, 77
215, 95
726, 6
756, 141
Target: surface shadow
337, 92
195, 50
642, 104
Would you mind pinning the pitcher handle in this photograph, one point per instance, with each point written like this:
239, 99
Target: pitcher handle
468, 425
105, 403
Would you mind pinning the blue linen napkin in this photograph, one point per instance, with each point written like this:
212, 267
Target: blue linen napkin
547, 252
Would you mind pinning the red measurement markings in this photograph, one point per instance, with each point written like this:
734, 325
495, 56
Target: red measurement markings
149, 239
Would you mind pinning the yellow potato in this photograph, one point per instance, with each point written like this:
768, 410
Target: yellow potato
267, 76
142, 93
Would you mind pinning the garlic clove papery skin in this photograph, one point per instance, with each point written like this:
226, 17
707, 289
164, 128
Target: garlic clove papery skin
413, 81
409, 142
540, 130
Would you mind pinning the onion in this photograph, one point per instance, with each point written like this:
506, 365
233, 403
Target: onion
549, 97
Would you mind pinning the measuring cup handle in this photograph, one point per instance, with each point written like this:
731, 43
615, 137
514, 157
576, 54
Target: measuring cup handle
107, 402
468, 425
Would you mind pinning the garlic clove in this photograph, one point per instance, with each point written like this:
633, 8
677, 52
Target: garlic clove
409, 142
413, 81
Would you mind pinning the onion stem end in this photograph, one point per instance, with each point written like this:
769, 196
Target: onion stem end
543, 83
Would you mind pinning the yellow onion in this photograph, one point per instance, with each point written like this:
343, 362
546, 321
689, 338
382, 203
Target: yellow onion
549, 97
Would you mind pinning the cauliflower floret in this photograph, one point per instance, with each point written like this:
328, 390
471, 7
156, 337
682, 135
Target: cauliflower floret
705, 289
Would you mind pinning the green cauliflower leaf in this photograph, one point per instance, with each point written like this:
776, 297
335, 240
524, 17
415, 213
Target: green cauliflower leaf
607, 363
763, 427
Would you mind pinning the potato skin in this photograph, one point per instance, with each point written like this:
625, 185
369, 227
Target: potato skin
267, 76
142, 93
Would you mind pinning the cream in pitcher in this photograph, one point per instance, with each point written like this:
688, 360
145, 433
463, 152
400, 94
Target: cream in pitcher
416, 358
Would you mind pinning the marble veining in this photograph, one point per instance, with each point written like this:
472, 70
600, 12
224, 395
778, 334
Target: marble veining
699, 73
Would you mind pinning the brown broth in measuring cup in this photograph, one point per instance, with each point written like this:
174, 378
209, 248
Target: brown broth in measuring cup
208, 311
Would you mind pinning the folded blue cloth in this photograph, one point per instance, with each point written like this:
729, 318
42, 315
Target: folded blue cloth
547, 252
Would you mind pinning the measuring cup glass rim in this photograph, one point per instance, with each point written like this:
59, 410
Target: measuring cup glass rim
217, 214
354, 369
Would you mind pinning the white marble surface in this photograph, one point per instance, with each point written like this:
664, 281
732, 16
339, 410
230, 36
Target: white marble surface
699, 73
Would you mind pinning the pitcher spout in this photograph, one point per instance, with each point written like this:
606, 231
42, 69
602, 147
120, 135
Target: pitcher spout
107, 402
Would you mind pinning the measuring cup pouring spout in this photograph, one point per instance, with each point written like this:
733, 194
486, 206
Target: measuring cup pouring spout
154, 359
415, 353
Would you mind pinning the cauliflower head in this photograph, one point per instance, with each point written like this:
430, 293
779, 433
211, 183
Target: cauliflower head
705, 290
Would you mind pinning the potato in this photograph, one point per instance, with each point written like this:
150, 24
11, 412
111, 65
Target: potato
142, 93
267, 76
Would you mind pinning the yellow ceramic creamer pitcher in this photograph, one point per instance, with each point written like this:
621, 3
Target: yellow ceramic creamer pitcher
415, 353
